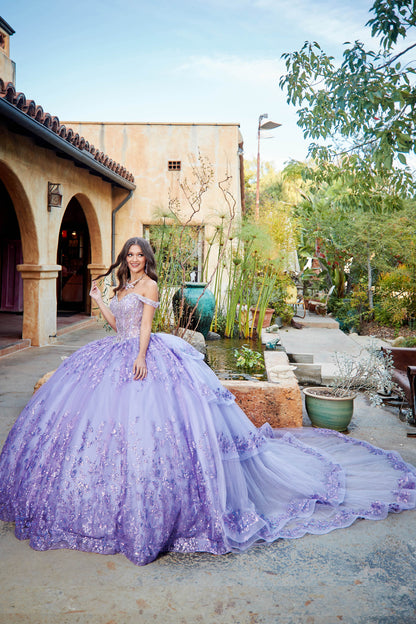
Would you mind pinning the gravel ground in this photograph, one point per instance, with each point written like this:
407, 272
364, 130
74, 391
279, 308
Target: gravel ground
386, 333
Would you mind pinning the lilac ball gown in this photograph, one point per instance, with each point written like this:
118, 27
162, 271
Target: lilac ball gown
102, 463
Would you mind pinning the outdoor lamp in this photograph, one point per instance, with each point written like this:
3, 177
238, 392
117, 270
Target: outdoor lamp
268, 125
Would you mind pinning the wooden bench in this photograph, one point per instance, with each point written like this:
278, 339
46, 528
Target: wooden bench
404, 374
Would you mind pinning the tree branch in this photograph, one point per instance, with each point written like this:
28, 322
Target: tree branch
394, 58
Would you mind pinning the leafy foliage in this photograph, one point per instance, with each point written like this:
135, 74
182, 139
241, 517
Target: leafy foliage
278, 193
248, 359
354, 220
357, 210
106, 288
365, 105
352, 310
408, 343
396, 297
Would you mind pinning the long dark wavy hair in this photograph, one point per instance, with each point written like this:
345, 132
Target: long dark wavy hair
123, 271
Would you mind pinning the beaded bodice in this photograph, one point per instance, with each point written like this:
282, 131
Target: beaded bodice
129, 313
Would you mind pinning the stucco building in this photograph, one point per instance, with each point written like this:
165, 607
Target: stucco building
166, 157
67, 203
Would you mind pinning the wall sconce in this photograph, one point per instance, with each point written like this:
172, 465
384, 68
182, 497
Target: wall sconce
54, 196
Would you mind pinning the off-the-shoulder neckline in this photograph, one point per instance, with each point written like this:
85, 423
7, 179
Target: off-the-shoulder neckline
155, 304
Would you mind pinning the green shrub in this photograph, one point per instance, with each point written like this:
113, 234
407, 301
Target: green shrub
221, 323
395, 300
277, 302
409, 342
351, 311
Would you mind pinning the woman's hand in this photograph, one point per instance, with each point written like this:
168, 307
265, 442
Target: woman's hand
139, 367
95, 292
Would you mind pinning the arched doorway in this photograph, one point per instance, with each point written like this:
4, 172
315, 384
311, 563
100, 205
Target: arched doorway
10, 255
11, 283
74, 255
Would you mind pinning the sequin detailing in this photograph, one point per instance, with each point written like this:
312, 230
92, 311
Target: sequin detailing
129, 313
98, 461
239, 445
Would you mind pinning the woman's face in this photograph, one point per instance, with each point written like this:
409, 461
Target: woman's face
136, 260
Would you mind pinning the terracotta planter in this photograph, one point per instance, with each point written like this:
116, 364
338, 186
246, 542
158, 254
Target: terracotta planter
326, 411
267, 317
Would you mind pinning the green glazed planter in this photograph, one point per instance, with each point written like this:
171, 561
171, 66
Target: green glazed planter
328, 412
204, 313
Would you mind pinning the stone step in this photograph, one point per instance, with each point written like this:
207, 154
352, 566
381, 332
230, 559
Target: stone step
88, 322
15, 346
309, 373
314, 320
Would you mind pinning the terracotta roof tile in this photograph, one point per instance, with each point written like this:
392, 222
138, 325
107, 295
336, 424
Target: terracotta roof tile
36, 112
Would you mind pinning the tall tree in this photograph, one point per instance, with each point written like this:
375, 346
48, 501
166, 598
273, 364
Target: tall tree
366, 105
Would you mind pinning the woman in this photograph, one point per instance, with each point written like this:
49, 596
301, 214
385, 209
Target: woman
134, 446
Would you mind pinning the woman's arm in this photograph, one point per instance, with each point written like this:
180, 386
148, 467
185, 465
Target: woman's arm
95, 294
139, 366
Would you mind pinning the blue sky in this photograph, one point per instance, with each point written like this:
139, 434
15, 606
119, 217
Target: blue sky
184, 60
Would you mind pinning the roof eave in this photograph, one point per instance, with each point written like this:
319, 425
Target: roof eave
6, 27
60, 145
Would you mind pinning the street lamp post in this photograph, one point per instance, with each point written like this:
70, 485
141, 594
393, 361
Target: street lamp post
269, 125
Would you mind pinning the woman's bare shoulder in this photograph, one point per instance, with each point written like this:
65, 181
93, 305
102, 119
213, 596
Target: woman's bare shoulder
150, 290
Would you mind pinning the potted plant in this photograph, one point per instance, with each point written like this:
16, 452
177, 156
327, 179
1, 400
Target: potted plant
369, 372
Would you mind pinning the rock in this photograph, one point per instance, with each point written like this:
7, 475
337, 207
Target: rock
280, 371
213, 336
274, 328
196, 339
398, 342
279, 404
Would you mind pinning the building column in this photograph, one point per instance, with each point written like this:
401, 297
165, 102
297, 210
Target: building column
39, 302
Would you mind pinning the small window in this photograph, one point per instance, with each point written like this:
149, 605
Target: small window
174, 165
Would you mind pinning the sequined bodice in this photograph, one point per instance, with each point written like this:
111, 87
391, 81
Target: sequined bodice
129, 313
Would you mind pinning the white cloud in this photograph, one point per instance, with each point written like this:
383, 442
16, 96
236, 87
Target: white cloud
335, 22
255, 71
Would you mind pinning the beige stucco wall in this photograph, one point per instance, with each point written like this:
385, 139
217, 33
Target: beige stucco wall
26, 169
7, 68
145, 149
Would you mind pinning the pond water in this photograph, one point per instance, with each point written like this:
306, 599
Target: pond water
220, 357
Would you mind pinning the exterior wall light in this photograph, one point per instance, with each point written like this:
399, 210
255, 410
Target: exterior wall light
54, 196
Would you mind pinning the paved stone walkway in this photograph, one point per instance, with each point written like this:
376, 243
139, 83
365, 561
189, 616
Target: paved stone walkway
365, 574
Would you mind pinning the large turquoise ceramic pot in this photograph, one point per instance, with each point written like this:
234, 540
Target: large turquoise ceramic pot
203, 315
328, 412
